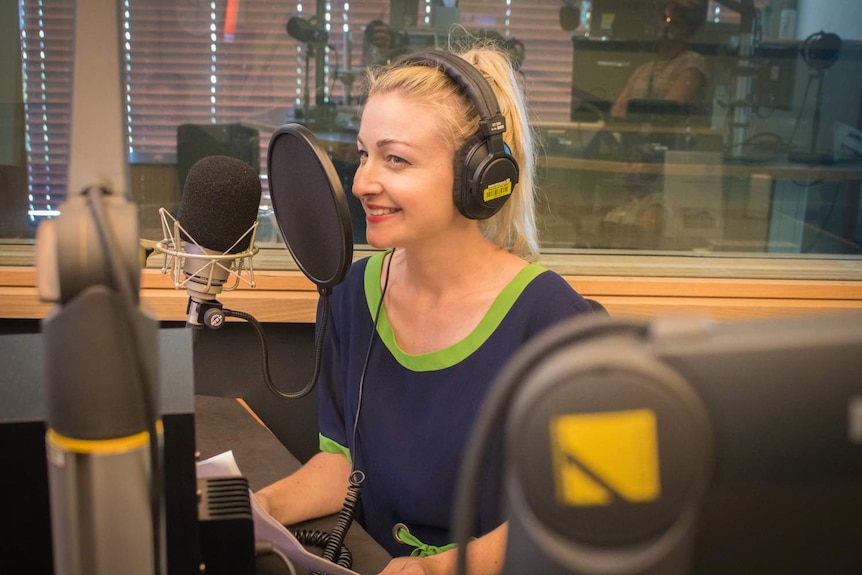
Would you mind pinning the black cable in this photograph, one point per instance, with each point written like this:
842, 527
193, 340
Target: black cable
801, 110
129, 298
264, 348
368, 353
493, 410
319, 539
332, 542
335, 540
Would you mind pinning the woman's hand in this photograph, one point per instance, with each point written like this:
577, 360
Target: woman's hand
409, 566
263, 501
484, 557
318, 488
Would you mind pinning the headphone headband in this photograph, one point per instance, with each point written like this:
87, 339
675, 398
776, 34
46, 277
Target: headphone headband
485, 171
491, 119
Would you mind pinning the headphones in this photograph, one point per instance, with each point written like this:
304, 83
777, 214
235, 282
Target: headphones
485, 171
820, 50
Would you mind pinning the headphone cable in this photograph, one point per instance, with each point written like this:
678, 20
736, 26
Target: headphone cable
368, 353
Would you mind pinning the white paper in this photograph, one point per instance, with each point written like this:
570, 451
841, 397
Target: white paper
267, 528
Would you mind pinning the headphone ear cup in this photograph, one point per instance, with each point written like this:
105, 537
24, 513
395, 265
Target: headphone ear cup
483, 180
462, 176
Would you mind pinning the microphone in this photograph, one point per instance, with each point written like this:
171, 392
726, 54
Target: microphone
570, 16
213, 236
306, 31
218, 210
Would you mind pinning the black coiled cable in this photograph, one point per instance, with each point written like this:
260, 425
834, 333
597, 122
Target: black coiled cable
320, 539
346, 516
332, 543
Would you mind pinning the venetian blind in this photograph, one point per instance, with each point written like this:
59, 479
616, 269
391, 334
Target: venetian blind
46, 28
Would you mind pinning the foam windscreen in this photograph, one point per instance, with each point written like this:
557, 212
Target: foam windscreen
220, 203
310, 206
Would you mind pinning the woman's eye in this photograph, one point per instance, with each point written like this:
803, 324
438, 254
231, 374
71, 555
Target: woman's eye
397, 160
363, 155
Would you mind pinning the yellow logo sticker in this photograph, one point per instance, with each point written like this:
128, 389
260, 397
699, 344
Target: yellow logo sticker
497, 190
597, 455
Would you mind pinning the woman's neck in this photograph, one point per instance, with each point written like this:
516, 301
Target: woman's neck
669, 50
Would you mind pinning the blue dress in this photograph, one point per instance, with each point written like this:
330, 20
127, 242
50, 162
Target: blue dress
417, 411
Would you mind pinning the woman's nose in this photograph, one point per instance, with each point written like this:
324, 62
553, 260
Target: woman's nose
364, 181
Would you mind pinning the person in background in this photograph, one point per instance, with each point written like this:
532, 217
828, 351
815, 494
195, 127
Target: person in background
676, 74
381, 44
638, 223
419, 332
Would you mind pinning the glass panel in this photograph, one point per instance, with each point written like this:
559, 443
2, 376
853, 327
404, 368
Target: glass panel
710, 130
669, 129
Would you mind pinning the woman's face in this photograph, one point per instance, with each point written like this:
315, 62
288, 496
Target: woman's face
405, 173
673, 25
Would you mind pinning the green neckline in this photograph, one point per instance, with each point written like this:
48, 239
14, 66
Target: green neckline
457, 352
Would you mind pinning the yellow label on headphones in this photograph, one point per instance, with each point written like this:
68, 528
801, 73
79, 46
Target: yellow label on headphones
497, 190
597, 455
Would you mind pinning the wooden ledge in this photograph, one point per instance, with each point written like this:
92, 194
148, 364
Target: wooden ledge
289, 297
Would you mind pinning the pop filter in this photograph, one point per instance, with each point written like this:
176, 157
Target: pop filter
310, 206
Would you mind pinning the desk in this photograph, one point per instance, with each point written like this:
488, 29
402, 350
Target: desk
223, 424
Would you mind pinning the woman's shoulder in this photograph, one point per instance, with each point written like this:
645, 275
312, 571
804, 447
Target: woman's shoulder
691, 59
548, 289
354, 282
545, 299
356, 272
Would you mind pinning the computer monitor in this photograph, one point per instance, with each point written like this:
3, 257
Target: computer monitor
600, 70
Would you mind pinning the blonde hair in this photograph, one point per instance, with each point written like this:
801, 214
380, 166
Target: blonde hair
513, 227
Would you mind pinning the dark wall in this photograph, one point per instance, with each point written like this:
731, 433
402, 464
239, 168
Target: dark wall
227, 363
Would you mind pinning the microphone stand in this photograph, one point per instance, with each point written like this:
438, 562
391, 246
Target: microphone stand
306, 107
103, 440
818, 104
316, 114
819, 54
104, 430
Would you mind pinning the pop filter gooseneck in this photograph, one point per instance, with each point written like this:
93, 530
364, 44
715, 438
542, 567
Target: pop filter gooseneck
312, 214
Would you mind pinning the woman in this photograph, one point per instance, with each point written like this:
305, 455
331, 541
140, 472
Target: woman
419, 332
676, 74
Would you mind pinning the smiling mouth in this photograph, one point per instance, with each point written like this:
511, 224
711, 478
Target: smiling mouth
381, 211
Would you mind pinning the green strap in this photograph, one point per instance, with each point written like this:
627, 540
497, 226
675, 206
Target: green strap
403, 535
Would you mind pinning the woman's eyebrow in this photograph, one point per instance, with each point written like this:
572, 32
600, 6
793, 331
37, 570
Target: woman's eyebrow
385, 141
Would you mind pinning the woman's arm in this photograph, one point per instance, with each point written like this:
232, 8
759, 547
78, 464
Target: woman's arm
485, 556
620, 105
685, 86
318, 488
